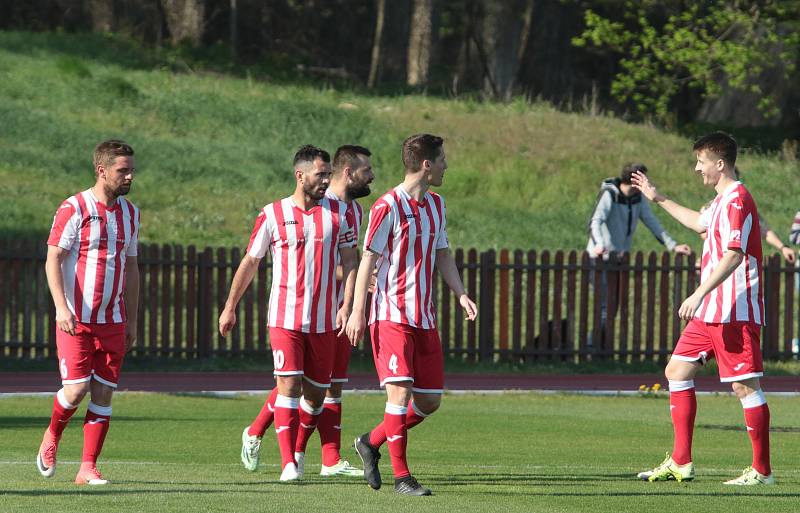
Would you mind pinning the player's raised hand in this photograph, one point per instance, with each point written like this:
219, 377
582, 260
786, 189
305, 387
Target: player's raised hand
65, 320
640, 181
227, 320
469, 306
356, 325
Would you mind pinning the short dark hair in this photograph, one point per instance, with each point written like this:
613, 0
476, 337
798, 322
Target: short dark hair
420, 147
630, 168
107, 151
720, 144
348, 155
309, 153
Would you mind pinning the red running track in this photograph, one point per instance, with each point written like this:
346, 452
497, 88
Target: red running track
240, 381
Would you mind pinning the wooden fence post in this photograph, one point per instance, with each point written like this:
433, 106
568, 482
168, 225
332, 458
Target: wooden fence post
486, 337
204, 292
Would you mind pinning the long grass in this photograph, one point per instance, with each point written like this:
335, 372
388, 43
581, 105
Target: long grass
212, 148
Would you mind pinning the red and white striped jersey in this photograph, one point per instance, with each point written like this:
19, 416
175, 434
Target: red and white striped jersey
99, 240
406, 234
305, 252
356, 214
732, 223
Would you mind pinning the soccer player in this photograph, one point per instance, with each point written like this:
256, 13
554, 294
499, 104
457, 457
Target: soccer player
93, 276
406, 238
725, 313
352, 174
308, 235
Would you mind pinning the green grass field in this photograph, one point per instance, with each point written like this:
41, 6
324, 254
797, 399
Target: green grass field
506, 452
213, 147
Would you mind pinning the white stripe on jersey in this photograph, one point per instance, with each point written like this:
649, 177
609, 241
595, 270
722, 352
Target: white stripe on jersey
92, 263
406, 235
303, 292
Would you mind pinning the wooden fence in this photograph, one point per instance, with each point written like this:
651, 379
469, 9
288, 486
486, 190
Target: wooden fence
532, 305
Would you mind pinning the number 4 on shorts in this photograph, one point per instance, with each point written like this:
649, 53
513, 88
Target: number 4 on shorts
393, 364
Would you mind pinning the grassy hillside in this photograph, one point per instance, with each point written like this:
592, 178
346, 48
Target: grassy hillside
212, 148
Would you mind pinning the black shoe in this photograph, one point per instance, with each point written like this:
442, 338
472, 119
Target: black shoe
369, 457
409, 486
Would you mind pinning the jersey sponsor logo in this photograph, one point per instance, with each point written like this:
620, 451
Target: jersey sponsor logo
393, 438
410, 216
95, 218
286, 223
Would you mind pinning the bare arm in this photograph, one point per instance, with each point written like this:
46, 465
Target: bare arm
773, 240
729, 262
447, 268
55, 280
356, 324
686, 216
241, 280
349, 262
131, 300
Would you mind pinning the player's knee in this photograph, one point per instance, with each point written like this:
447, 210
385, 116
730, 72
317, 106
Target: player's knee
426, 404
741, 390
75, 393
335, 391
289, 386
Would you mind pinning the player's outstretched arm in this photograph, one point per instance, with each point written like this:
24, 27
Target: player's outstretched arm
773, 240
686, 216
356, 323
447, 268
241, 280
131, 301
55, 280
728, 263
349, 263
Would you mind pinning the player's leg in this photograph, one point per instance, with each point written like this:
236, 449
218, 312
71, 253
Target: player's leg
107, 362
320, 350
330, 420
740, 364
690, 353
75, 368
252, 434
287, 355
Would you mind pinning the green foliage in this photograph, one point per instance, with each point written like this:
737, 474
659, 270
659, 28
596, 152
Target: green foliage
706, 46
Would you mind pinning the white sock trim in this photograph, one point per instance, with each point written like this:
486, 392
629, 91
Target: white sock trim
308, 408
395, 409
333, 400
754, 400
281, 401
62, 400
99, 410
679, 386
419, 412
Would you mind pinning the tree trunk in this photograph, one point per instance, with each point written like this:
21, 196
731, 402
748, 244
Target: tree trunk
234, 29
376, 44
102, 12
419, 43
504, 36
185, 20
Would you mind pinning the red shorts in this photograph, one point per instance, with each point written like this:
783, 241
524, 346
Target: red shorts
736, 346
405, 353
341, 360
95, 349
310, 355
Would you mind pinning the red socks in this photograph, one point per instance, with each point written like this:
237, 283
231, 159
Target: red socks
329, 426
62, 412
95, 428
756, 419
414, 416
286, 420
265, 416
683, 409
394, 424
308, 418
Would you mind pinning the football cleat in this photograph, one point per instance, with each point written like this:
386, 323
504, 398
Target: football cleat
46, 457
89, 475
290, 473
409, 486
751, 477
369, 458
251, 446
668, 470
341, 468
